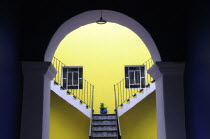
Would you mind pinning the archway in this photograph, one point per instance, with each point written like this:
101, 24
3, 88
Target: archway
91, 17
103, 51
169, 73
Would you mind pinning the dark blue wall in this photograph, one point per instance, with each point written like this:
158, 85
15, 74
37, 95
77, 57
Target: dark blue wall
10, 81
197, 73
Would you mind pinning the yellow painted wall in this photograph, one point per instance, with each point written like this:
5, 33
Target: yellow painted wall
66, 122
140, 121
103, 51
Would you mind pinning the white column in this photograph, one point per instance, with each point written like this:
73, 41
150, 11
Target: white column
36, 99
169, 99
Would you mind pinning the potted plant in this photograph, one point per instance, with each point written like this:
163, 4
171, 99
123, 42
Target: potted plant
103, 109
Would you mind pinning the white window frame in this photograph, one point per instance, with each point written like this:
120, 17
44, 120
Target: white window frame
140, 77
68, 67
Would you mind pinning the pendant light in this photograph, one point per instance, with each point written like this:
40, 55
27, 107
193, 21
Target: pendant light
101, 20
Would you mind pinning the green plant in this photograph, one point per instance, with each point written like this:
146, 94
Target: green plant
102, 106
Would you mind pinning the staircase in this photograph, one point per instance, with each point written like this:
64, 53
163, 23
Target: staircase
104, 126
81, 97
70, 98
135, 99
128, 95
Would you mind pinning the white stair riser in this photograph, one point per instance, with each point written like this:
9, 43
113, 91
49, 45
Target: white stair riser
70, 99
133, 101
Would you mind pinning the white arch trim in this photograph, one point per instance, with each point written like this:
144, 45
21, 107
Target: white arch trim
91, 17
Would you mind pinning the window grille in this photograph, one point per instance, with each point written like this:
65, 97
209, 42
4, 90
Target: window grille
72, 77
135, 76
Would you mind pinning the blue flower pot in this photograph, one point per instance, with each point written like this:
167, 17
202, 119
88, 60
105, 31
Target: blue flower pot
104, 111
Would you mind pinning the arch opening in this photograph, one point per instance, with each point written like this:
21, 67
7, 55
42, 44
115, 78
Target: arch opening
91, 17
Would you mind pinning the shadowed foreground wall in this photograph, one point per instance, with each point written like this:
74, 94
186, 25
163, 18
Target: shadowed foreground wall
140, 121
66, 122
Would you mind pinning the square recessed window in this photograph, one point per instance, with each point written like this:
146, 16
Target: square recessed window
72, 77
135, 76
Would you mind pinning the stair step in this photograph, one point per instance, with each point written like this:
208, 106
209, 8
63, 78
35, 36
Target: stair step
103, 137
104, 117
104, 128
104, 114
104, 134
104, 131
104, 123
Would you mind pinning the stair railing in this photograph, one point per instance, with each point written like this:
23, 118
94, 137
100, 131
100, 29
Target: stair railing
123, 94
118, 120
84, 94
92, 111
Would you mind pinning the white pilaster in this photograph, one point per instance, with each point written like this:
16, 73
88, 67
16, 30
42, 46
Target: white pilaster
36, 99
169, 99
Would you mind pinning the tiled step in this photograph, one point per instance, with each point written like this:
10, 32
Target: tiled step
104, 134
103, 114
104, 117
104, 138
104, 128
106, 122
